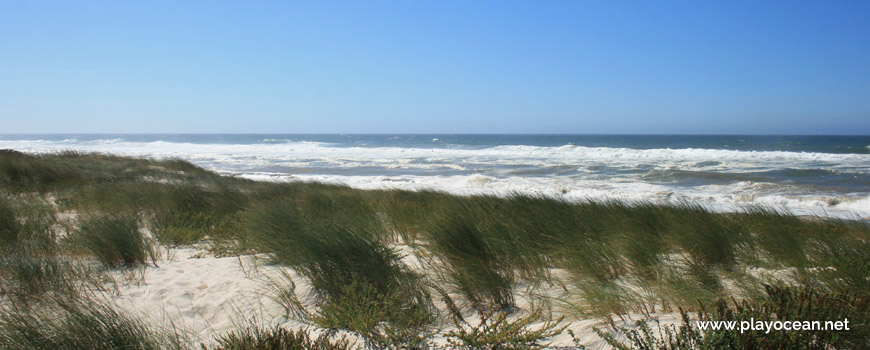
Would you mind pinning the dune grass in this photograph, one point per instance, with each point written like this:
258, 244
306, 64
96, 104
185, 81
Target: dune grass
187, 213
10, 228
83, 323
613, 258
330, 250
471, 265
21, 171
29, 264
115, 239
177, 213
360, 283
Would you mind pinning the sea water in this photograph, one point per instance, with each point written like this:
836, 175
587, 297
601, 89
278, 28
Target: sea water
820, 175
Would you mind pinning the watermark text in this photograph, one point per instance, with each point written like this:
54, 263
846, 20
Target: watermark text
768, 326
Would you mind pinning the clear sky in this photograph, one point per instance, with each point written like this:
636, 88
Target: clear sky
788, 67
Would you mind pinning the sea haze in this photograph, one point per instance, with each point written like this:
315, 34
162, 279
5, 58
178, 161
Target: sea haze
825, 175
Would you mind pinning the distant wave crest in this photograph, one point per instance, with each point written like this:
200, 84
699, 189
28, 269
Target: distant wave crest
828, 181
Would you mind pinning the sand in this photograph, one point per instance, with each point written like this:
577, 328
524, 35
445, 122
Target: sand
205, 296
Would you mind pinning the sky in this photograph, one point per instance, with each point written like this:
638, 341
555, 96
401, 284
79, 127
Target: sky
585, 67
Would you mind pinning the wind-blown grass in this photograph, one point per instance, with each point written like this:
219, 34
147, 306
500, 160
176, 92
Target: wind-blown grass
19, 171
473, 267
612, 257
29, 265
361, 284
331, 250
74, 325
189, 212
115, 239
10, 228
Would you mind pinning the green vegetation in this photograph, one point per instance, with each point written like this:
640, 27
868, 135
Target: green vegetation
114, 239
382, 263
495, 331
75, 324
276, 338
781, 304
360, 283
29, 263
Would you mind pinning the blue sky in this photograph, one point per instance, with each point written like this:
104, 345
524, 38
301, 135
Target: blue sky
768, 67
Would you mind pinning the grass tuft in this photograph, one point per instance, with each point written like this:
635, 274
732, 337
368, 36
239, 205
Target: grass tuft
62, 324
115, 239
361, 285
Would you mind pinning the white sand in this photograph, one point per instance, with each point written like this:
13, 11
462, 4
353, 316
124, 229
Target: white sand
205, 296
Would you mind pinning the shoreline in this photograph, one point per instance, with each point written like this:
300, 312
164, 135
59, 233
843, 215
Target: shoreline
795, 174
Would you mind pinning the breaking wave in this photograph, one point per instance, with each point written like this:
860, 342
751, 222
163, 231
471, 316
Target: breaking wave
836, 184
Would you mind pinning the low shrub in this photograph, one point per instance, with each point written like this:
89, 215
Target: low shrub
496, 331
275, 338
781, 304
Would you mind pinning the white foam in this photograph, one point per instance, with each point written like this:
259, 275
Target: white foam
696, 159
488, 170
715, 197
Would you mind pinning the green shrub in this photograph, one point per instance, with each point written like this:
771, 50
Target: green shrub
276, 338
495, 331
781, 304
400, 318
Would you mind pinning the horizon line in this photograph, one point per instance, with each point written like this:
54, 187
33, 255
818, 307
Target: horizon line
425, 133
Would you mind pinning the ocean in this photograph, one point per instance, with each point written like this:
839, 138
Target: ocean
818, 175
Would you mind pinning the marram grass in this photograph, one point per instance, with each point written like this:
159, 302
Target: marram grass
613, 258
116, 240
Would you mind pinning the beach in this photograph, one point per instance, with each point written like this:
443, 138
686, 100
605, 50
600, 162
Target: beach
200, 257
